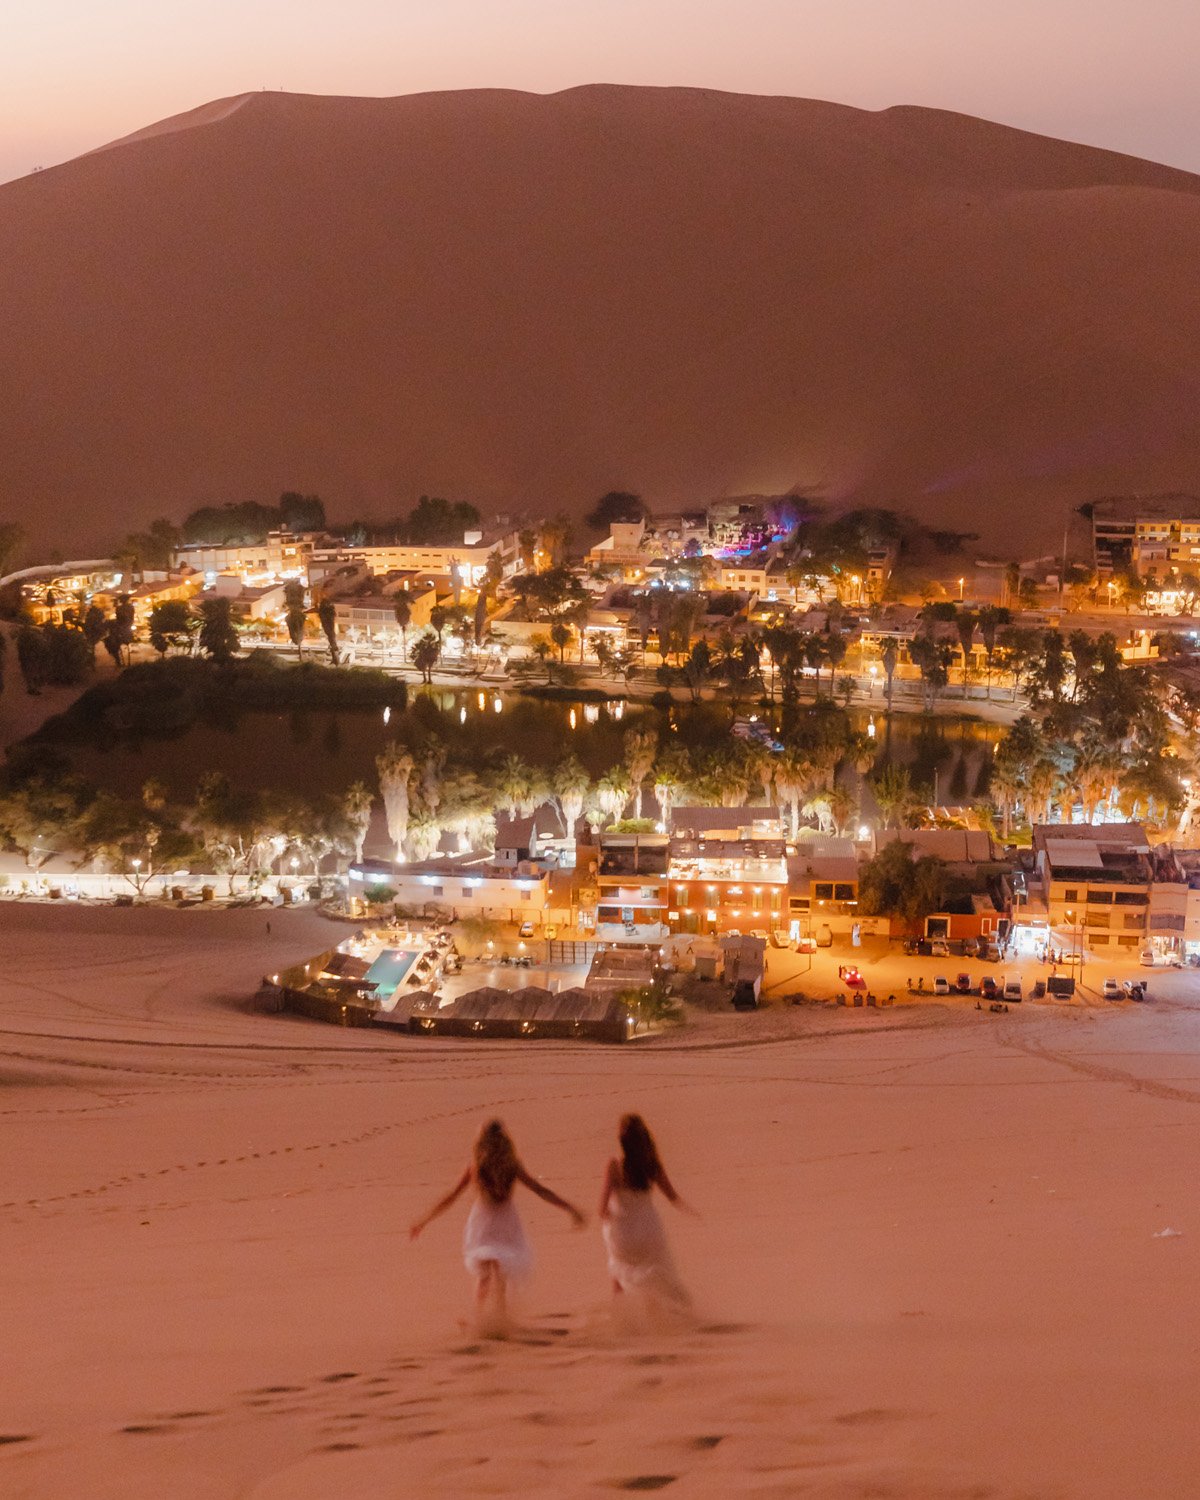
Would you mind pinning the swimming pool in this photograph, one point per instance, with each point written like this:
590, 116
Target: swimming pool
390, 970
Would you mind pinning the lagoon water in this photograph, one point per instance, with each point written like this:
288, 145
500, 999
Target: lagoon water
325, 751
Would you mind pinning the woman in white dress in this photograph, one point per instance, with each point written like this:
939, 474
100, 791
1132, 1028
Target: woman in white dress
494, 1245
639, 1259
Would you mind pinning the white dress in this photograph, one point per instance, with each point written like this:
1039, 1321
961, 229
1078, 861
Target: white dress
494, 1232
639, 1259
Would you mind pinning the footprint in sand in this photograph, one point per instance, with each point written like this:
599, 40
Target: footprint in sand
15, 1437
646, 1482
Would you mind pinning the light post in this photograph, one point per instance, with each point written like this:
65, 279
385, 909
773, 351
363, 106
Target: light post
961, 581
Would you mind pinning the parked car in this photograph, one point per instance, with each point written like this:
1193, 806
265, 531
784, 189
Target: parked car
1134, 989
1111, 989
991, 954
1039, 989
963, 984
743, 997
526, 930
1012, 988
806, 945
941, 985
938, 948
1146, 958
781, 938
851, 976
988, 987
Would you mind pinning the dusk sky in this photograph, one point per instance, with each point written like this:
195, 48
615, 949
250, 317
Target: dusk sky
77, 73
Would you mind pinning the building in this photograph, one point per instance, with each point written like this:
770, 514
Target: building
1152, 534
374, 615
466, 560
1090, 886
144, 596
624, 897
727, 869
623, 550
52, 589
473, 886
281, 554
822, 887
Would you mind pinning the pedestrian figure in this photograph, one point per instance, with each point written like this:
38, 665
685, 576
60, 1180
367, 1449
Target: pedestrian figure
495, 1249
639, 1259
268, 929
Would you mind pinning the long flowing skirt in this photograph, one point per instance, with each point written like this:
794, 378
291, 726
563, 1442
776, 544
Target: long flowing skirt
494, 1232
639, 1258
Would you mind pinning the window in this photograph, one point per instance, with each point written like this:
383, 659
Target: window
823, 892
1132, 898
776, 899
1096, 919
1072, 895
1128, 942
1134, 922
843, 893
436, 890
466, 890
1099, 898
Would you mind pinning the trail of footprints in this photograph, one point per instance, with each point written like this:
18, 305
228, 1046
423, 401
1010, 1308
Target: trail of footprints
566, 1398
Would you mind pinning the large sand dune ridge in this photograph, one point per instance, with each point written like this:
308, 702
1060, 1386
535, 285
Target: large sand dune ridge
526, 300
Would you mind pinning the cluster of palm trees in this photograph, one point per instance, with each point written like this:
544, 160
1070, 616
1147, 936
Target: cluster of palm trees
1087, 775
242, 833
424, 796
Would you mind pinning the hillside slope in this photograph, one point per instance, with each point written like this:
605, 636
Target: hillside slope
526, 300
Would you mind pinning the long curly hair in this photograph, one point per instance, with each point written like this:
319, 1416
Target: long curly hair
496, 1163
640, 1164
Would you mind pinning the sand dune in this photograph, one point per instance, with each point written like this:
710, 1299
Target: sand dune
526, 300
931, 1263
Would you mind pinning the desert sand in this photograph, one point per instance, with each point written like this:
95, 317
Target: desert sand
932, 1262
527, 300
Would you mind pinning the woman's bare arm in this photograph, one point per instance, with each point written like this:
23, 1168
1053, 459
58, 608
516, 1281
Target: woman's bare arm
548, 1196
442, 1204
671, 1195
610, 1186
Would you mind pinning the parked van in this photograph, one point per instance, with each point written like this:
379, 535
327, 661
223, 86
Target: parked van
1012, 988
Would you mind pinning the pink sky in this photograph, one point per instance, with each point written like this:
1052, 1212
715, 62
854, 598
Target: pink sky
76, 73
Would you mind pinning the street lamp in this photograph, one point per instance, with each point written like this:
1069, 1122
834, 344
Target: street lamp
961, 581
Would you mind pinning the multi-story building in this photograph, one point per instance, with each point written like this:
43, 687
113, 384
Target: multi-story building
374, 615
1094, 884
153, 590
1154, 535
727, 869
281, 554
822, 887
624, 897
466, 560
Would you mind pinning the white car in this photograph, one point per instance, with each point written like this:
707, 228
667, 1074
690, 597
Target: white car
1012, 988
1146, 958
1111, 990
941, 985
938, 948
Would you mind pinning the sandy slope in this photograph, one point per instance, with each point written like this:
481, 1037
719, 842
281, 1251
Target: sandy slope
927, 1264
526, 300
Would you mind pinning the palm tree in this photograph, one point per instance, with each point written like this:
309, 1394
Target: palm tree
424, 833
327, 614
560, 636
793, 775
357, 804
402, 609
613, 792
513, 782
425, 653
843, 804
294, 617
818, 807
571, 786
672, 773
894, 794
1006, 788
890, 658
395, 764
641, 745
